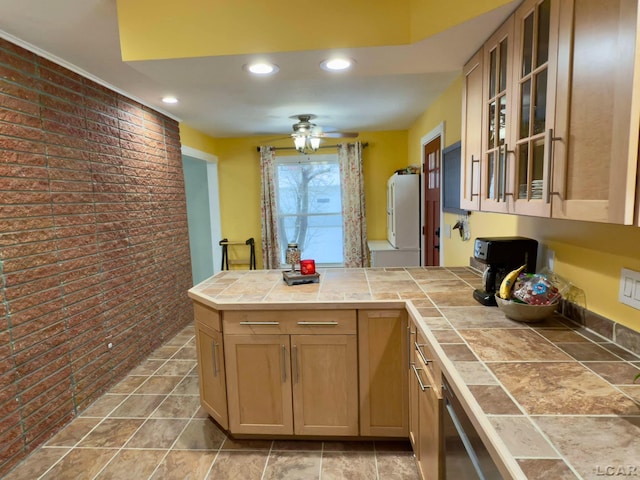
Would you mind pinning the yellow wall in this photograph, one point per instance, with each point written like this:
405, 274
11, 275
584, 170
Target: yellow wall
239, 179
590, 255
156, 29
196, 139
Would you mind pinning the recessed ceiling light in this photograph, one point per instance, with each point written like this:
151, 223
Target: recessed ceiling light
336, 64
169, 99
262, 68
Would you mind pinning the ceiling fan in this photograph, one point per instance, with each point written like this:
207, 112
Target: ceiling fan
307, 135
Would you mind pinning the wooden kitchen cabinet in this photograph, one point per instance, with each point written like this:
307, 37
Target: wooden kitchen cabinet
259, 384
414, 395
211, 369
426, 407
288, 382
496, 160
472, 126
382, 355
325, 384
595, 161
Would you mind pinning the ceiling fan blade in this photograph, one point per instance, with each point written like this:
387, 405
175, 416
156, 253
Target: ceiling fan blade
338, 135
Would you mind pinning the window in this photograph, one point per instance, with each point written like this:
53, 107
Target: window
310, 207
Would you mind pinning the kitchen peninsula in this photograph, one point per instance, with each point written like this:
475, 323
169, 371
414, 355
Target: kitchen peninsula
548, 399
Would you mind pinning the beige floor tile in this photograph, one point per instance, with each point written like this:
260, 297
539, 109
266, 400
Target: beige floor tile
184, 465
103, 406
239, 465
80, 464
73, 432
176, 367
397, 466
177, 406
157, 433
349, 466
200, 434
111, 433
188, 386
36, 464
128, 384
293, 466
159, 385
138, 406
238, 444
132, 464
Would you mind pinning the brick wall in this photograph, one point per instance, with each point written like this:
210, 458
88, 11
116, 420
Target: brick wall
93, 243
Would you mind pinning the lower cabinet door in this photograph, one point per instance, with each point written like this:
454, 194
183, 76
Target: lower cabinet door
382, 354
259, 384
325, 384
430, 456
414, 394
213, 390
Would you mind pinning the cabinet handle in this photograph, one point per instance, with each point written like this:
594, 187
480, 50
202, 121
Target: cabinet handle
472, 170
503, 174
419, 350
548, 141
259, 323
214, 347
284, 364
317, 323
423, 387
295, 364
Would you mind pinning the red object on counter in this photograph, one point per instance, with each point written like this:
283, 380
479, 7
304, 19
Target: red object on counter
307, 267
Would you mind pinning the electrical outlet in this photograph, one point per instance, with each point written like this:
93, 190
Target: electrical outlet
629, 293
447, 230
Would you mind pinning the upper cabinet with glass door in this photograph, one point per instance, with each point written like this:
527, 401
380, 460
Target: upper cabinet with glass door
496, 173
535, 62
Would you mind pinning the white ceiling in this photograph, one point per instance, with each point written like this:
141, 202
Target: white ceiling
389, 88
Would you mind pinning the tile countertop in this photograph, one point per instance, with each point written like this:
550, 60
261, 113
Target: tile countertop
550, 399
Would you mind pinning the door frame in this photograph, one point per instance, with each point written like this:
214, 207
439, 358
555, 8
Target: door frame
438, 131
214, 200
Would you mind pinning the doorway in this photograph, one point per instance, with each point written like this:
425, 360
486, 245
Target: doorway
203, 212
431, 216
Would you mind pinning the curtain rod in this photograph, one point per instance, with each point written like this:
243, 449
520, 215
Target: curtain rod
364, 145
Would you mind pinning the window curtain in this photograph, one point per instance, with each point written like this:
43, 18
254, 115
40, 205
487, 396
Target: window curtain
353, 211
270, 238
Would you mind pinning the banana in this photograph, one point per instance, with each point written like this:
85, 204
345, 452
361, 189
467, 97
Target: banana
509, 280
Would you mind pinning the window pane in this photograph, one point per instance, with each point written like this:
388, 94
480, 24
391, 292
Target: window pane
537, 173
492, 73
523, 167
544, 13
491, 125
502, 120
503, 66
491, 173
525, 105
309, 203
527, 46
540, 111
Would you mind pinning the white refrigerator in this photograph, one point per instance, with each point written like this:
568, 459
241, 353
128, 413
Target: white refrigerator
402, 247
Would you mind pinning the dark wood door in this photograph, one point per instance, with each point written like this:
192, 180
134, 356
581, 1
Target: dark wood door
431, 169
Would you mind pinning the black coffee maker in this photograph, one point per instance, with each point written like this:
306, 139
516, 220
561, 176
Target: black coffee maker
501, 255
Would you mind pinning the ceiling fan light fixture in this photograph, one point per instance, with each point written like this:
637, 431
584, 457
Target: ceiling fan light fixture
300, 142
314, 143
262, 68
336, 64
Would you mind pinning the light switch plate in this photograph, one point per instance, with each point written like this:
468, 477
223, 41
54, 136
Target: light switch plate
630, 288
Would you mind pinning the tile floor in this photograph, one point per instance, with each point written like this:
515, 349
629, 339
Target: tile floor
151, 426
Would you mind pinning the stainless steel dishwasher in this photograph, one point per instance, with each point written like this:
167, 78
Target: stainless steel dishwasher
466, 457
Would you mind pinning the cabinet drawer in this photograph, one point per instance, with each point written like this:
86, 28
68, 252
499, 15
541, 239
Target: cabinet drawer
207, 316
426, 356
326, 322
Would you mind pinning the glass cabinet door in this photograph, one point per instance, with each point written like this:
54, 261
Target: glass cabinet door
533, 83
497, 94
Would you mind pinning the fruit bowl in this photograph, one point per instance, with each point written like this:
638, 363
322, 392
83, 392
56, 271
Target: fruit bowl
523, 312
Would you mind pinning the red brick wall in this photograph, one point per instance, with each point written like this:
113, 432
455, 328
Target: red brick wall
93, 243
